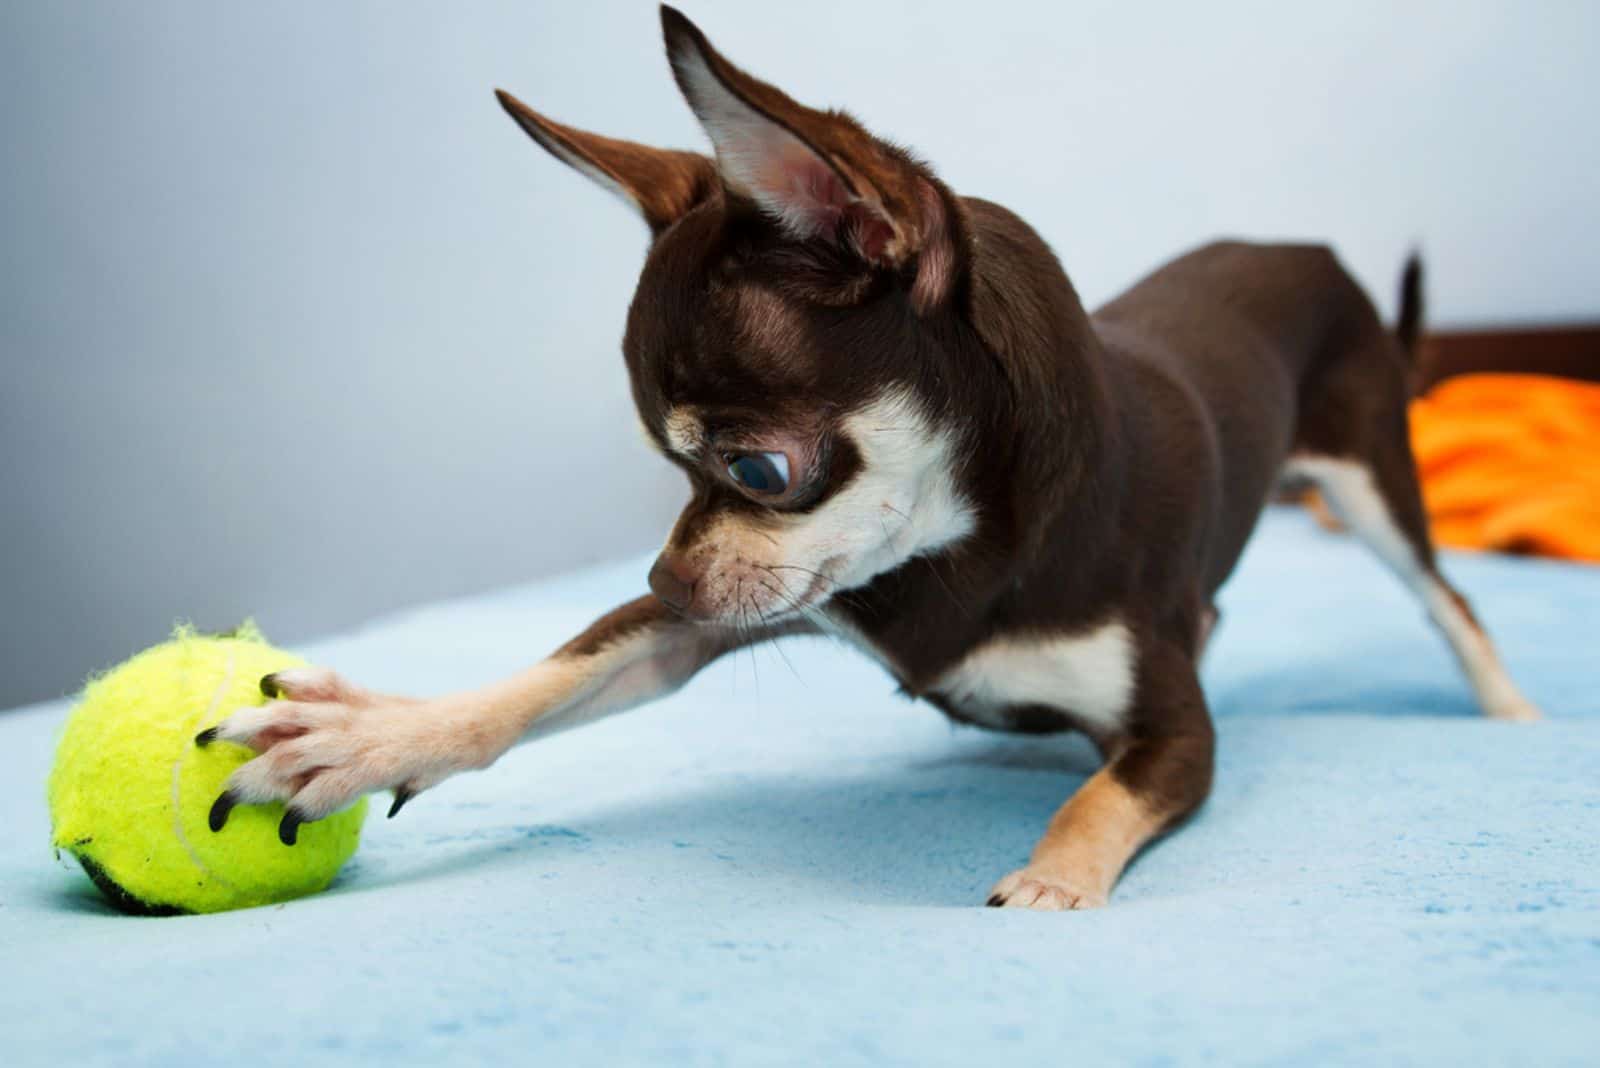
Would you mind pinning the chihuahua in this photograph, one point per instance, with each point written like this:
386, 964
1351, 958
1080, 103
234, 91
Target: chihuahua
901, 428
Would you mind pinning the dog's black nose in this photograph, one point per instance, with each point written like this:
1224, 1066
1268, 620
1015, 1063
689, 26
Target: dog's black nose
672, 581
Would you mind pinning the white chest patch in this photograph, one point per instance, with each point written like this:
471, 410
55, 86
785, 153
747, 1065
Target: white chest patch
1089, 675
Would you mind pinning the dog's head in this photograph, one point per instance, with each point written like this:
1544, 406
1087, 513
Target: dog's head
788, 341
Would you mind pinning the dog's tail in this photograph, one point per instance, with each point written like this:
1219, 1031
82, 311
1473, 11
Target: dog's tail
1410, 325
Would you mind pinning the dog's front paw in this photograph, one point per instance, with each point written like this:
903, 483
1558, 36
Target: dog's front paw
320, 753
1040, 888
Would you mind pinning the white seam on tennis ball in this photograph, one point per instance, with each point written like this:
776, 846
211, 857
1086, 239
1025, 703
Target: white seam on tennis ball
177, 776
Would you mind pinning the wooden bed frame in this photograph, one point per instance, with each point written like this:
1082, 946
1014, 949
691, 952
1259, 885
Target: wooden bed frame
1567, 350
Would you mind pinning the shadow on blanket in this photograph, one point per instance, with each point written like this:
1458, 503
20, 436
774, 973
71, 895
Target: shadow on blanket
932, 827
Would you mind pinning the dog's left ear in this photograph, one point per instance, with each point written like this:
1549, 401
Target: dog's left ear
818, 173
661, 183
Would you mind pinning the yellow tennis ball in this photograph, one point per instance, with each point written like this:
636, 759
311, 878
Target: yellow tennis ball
130, 792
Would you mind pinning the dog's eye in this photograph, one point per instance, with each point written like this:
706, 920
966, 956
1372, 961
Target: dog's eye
760, 472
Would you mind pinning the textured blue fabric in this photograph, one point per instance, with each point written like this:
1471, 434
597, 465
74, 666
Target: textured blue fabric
785, 864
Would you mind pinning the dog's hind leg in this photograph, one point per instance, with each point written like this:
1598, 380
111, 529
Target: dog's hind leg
1353, 443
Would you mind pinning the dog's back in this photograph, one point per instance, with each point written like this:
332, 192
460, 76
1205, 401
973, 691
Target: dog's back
1251, 337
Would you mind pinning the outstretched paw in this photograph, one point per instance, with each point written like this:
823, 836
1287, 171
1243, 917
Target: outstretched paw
1046, 891
326, 745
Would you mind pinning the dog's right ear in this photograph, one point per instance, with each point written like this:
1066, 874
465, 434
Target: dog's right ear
819, 174
662, 184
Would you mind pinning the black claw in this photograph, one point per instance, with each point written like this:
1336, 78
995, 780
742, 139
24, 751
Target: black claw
220, 809
995, 901
289, 829
402, 794
206, 737
269, 686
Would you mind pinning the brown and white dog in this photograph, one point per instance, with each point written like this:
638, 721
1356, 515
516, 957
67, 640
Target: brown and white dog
901, 427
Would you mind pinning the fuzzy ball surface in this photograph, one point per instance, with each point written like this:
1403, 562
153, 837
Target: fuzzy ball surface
130, 792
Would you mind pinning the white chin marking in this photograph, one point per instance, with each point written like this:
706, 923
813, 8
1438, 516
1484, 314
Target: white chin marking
902, 503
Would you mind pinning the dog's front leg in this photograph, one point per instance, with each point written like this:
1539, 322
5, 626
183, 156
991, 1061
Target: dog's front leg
1158, 772
324, 742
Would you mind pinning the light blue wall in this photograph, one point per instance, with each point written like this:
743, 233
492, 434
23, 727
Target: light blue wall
294, 322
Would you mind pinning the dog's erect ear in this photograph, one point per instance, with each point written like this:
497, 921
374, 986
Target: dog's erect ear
661, 183
819, 173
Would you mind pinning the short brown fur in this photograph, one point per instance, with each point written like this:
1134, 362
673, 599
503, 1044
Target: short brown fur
1100, 474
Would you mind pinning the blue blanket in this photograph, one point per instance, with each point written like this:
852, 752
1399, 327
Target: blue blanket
787, 863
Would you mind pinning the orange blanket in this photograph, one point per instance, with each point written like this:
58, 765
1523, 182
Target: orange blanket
1511, 462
